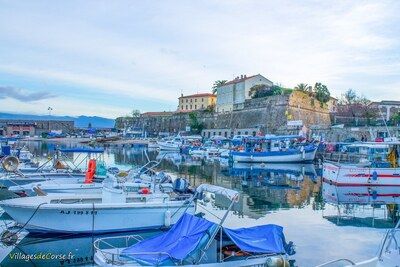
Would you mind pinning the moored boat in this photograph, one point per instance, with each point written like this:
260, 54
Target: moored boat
195, 241
273, 150
376, 169
113, 210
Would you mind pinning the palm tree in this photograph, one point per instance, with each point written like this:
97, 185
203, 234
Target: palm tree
217, 84
303, 87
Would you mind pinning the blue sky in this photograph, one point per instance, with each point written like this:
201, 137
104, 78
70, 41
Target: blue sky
108, 57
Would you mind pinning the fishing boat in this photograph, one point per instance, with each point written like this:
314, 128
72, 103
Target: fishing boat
194, 241
377, 166
171, 144
61, 168
274, 149
113, 210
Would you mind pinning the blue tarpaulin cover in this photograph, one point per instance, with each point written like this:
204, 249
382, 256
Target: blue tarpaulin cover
259, 239
178, 242
186, 235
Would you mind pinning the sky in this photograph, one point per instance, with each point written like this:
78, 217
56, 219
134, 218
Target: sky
107, 58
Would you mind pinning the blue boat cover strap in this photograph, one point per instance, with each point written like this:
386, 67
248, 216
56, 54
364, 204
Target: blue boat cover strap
191, 233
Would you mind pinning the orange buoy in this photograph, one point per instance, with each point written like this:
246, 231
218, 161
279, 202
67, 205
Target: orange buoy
90, 172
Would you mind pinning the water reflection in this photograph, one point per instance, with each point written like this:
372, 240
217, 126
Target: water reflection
287, 194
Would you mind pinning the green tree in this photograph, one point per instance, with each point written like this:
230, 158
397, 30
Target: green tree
217, 84
195, 125
263, 90
349, 97
135, 113
395, 119
322, 93
303, 87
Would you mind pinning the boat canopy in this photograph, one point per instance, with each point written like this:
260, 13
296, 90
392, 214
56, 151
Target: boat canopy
229, 193
282, 137
261, 139
82, 150
191, 234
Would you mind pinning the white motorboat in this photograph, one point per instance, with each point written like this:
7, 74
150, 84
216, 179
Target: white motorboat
195, 241
171, 145
113, 210
9, 180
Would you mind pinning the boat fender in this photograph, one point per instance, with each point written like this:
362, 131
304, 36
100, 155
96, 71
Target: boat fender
91, 170
167, 218
145, 191
277, 262
374, 195
374, 176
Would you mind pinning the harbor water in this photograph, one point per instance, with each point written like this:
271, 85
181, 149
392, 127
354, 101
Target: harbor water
290, 195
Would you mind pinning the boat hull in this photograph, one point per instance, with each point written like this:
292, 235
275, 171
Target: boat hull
15, 180
93, 218
273, 261
353, 175
274, 157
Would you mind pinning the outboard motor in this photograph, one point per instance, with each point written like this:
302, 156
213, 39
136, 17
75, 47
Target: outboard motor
181, 185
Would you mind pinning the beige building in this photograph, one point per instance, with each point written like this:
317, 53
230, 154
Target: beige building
196, 102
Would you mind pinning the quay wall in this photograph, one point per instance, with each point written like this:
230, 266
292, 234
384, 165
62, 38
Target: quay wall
268, 114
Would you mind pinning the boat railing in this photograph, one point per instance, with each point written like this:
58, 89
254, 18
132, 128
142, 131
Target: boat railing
112, 253
388, 239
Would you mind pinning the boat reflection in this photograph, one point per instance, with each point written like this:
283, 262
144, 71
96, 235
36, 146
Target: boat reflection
362, 206
293, 170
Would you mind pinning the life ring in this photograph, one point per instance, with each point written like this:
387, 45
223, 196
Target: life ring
90, 172
234, 251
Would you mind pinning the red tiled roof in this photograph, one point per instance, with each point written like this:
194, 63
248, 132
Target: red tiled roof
239, 80
157, 113
198, 95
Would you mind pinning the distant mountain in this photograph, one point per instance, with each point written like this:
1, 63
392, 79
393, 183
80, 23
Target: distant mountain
80, 122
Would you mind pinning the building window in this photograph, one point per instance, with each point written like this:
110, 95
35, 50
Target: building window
202, 106
182, 107
186, 107
191, 100
190, 106
195, 106
246, 132
219, 133
213, 133
226, 134
195, 100
202, 100
186, 100
239, 133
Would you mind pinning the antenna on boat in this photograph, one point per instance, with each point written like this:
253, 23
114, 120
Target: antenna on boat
384, 121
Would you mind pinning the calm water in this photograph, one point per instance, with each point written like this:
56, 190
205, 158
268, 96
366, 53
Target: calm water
288, 195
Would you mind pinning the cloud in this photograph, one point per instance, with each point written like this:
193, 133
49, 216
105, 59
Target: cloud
145, 52
23, 95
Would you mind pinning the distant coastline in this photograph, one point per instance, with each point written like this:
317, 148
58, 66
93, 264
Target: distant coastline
80, 121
